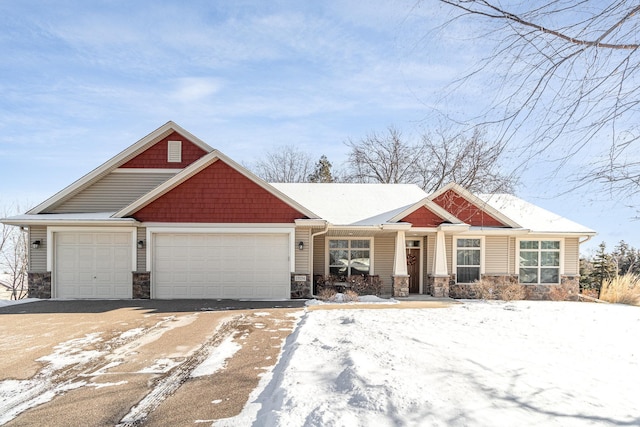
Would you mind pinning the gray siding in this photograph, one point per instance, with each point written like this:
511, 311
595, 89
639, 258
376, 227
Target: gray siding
496, 257
38, 257
448, 244
383, 254
112, 193
318, 255
513, 268
571, 256
141, 254
302, 256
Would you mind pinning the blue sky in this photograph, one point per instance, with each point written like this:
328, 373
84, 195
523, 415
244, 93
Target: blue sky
80, 81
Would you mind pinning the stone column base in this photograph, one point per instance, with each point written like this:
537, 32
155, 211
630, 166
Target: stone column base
400, 285
301, 288
141, 285
39, 284
439, 286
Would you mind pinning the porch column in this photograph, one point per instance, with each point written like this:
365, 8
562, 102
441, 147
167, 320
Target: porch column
439, 280
400, 276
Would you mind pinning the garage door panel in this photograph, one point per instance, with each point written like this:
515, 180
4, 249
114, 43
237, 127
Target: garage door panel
93, 264
221, 266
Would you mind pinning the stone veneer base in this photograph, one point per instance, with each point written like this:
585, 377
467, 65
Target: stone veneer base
300, 289
39, 284
400, 285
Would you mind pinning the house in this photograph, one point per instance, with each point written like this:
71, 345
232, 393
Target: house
171, 217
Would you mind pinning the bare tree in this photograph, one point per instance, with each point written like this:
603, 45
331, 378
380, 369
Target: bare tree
383, 158
14, 259
432, 161
283, 164
564, 76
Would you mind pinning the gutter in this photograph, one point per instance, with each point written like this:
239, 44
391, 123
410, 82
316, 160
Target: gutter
313, 235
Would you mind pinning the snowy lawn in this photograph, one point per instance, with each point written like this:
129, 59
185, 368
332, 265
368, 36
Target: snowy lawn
475, 364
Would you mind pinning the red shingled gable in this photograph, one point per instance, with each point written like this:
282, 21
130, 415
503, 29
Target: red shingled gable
218, 194
466, 211
423, 217
155, 157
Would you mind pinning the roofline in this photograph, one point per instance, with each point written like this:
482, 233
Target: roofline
115, 161
197, 167
470, 197
432, 206
25, 222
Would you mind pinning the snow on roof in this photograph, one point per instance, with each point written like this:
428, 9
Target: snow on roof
532, 217
354, 204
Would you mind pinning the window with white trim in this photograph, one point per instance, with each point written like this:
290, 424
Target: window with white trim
539, 261
348, 257
468, 258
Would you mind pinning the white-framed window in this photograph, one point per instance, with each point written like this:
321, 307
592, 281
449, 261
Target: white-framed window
539, 261
468, 258
348, 257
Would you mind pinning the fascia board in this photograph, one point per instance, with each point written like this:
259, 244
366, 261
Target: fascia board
470, 197
116, 161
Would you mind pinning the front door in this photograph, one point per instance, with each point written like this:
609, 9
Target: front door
413, 269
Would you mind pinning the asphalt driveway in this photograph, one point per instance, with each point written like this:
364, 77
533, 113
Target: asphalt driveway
134, 362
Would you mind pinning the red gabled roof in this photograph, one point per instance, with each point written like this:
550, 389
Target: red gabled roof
423, 217
466, 211
218, 194
156, 156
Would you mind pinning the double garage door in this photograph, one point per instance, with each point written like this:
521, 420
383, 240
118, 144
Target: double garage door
183, 265
196, 265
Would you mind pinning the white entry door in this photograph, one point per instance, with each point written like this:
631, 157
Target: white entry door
93, 265
208, 265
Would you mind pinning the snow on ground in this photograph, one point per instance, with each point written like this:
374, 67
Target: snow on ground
342, 299
520, 363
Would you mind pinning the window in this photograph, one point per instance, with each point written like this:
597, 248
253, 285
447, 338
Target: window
349, 257
539, 261
468, 260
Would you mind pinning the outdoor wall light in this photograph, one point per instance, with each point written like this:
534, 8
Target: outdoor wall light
301, 245
35, 244
140, 244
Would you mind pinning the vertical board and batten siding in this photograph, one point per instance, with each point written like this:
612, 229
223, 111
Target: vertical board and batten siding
571, 255
302, 256
318, 255
384, 248
112, 193
38, 257
141, 254
496, 258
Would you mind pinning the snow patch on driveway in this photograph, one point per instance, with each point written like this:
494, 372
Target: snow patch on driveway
217, 359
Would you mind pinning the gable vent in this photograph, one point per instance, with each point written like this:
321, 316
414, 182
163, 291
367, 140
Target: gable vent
175, 151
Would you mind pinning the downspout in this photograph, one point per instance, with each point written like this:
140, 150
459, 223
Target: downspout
311, 245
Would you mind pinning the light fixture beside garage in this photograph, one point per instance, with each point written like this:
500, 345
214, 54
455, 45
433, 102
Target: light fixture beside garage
301, 245
140, 244
35, 244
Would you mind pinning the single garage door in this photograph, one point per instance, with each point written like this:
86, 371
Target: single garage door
193, 265
93, 265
